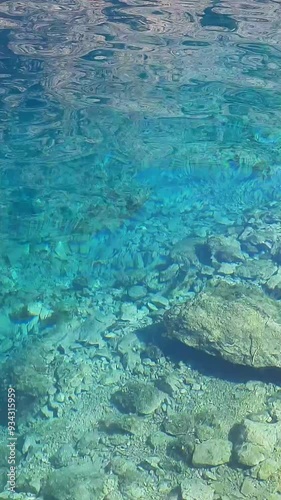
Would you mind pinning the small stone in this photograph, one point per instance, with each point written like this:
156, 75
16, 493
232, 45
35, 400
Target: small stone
225, 249
159, 440
227, 268
152, 307
29, 443
88, 443
45, 313
29, 483
196, 387
195, 489
46, 412
256, 269
62, 250
5, 345
207, 271
137, 292
251, 488
60, 397
5, 324
250, 454
78, 481
222, 219
212, 452
35, 308
138, 261
63, 456
129, 312
128, 343
168, 384
267, 468
138, 398
178, 424
35, 485
159, 301
255, 441
201, 232
135, 491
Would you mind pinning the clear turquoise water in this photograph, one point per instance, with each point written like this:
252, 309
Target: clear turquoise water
125, 127
141, 104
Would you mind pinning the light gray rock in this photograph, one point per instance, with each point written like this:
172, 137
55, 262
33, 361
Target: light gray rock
255, 441
159, 301
274, 284
179, 424
256, 239
75, 482
239, 323
259, 269
195, 489
88, 443
92, 329
250, 454
129, 312
6, 344
129, 342
212, 452
185, 251
137, 292
253, 489
169, 384
225, 249
63, 456
227, 268
267, 469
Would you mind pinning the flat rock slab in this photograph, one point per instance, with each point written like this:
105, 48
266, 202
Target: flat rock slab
237, 322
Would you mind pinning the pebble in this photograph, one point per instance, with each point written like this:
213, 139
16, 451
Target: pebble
46, 412
60, 397
5, 345
129, 311
62, 250
227, 268
159, 301
137, 292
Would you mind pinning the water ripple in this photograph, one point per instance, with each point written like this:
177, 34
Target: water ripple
155, 83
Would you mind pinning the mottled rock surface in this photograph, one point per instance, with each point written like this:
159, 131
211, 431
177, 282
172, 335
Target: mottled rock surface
212, 452
138, 398
234, 321
225, 249
256, 441
193, 489
74, 483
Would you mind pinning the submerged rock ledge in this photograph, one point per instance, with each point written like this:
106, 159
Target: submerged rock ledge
237, 322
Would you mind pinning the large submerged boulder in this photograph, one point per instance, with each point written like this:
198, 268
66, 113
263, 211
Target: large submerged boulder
237, 322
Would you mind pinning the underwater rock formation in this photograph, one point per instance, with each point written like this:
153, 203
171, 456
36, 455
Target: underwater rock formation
237, 322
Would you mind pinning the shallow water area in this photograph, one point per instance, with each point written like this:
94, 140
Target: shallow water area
140, 226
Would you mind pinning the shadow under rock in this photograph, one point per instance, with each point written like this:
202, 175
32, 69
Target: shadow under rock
211, 366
